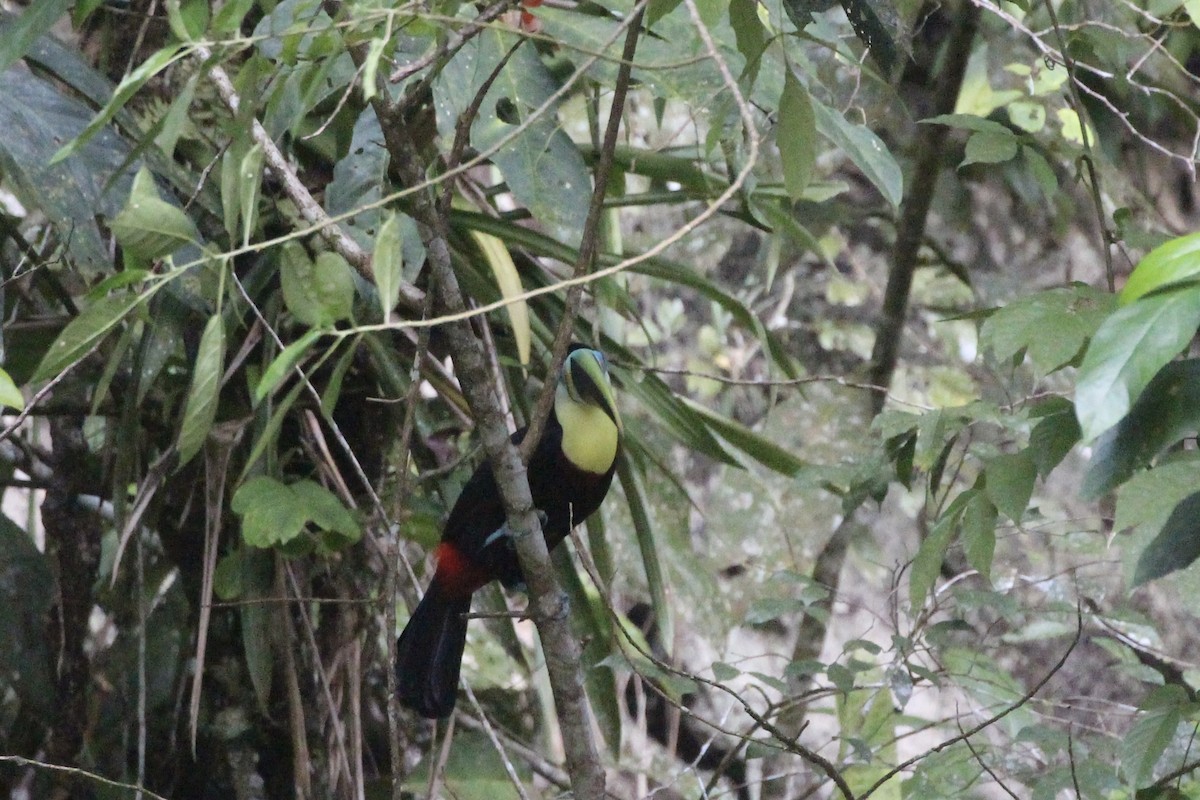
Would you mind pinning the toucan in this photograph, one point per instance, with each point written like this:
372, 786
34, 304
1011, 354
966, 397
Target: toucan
569, 472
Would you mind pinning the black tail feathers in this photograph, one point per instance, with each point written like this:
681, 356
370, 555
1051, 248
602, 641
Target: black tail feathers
429, 653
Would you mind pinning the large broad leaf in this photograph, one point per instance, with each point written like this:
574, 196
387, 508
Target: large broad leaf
1177, 260
1167, 411
1010, 480
1127, 351
36, 117
274, 513
1176, 546
541, 165
1153, 731
1148, 497
318, 292
1051, 327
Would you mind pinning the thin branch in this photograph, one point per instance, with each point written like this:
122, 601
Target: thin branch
1071, 761
21, 761
590, 237
984, 765
1089, 159
990, 721
453, 43
914, 211
392, 565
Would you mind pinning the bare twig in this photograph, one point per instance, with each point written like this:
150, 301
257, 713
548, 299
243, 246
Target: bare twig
1089, 161
21, 761
990, 721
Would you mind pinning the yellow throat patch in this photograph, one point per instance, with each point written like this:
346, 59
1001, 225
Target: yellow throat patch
589, 437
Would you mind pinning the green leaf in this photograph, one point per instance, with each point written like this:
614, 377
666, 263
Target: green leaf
1175, 547
249, 182
796, 135
322, 507
1145, 743
1052, 438
83, 333
758, 447
979, 534
1175, 261
283, 364
120, 96
1167, 411
865, 149
676, 417
927, 564
257, 584
188, 18
318, 293
1129, 348
201, 407
10, 395
655, 578
34, 21
1042, 172
1009, 485
724, 672
388, 265
148, 227
229, 18
36, 115
990, 148
1050, 326
541, 165
750, 34
970, 122
270, 512
227, 577
1148, 496
768, 609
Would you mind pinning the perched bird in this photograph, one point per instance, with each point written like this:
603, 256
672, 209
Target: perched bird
569, 471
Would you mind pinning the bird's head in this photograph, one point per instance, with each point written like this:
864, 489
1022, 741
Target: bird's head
585, 379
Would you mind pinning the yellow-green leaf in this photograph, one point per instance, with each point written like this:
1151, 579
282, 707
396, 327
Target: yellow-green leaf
509, 281
10, 395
